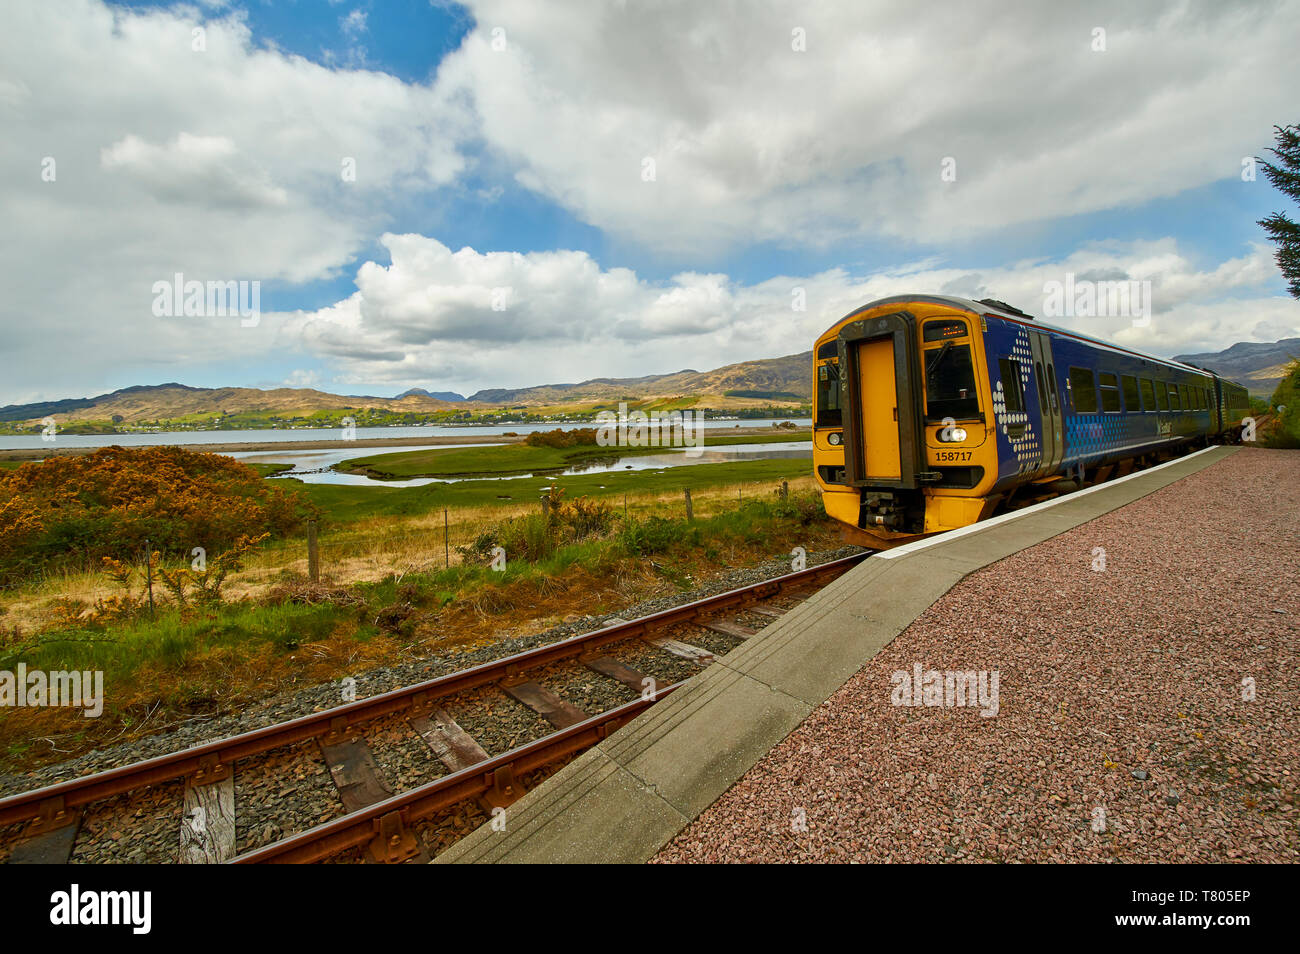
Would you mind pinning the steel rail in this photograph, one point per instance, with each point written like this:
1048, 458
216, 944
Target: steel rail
214, 758
364, 826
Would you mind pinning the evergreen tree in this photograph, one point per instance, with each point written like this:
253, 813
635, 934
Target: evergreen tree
1285, 176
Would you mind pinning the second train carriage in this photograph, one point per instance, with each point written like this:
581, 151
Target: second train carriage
930, 412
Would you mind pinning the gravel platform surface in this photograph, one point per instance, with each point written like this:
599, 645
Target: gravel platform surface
1126, 726
287, 706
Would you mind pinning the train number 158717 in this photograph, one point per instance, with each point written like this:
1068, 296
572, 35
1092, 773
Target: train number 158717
953, 455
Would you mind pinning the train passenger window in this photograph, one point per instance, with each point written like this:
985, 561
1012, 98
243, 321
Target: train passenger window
1174, 404
950, 383
1148, 395
1041, 382
1162, 395
1186, 398
1084, 389
1011, 386
1130, 386
1109, 392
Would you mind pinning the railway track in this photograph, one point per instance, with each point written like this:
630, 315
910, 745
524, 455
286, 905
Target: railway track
621, 670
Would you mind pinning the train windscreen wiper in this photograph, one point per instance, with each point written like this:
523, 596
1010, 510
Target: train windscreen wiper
935, 361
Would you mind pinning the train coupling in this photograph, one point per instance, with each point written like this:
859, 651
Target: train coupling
882, 510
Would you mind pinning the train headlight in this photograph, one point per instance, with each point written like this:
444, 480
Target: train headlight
952, 435
834, 439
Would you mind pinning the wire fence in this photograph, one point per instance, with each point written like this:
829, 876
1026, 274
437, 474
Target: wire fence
371, 549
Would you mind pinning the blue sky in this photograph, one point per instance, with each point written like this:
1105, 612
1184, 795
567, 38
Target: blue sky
792, 149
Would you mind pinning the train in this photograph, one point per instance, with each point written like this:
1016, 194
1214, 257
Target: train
931, 413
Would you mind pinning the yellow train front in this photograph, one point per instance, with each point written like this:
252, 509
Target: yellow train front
932, 412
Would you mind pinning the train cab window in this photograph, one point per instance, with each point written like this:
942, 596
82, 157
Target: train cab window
1011, 386
1174, 404
950, 383
828, 386
1109, 392
949, 371
1148, 395
1084, 389
1129, 385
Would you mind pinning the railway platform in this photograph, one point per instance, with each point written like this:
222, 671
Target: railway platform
1108, 635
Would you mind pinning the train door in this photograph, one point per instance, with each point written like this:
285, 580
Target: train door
1053, 448
879, 401
883, 435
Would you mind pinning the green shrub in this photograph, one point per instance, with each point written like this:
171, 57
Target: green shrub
1287, 395
562, 438
655, 535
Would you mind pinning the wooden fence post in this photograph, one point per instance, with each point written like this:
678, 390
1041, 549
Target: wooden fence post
785, 490
690, 511
446, 538
313, 553
148, 574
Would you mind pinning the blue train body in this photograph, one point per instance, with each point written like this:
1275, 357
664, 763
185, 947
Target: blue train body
931, 412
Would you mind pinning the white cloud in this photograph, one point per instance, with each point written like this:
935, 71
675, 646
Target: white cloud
223, 163
194, 169
427, 317
354, 24
754, 140
302, 378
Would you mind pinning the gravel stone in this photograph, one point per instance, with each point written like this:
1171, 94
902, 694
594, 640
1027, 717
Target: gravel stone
497, 721
133, 828
665, 668
588, 690
717, 643
282, 792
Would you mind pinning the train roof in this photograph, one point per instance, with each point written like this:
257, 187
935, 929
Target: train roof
1001, 309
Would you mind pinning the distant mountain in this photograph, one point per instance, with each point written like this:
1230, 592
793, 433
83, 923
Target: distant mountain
160, 402
790, 376
749, 384
1257, 365
436, 395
